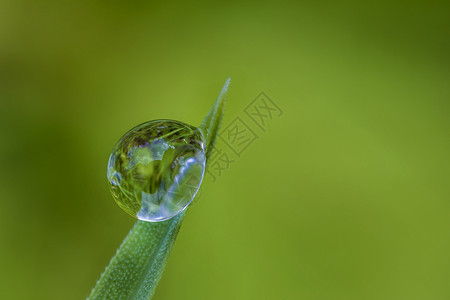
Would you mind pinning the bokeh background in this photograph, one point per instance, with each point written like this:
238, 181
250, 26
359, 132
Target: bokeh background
345, 196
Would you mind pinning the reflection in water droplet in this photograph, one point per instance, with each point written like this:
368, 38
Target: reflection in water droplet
156, 169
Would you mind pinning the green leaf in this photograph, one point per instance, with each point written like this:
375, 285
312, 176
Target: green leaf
211, 124
137, 267
135, 270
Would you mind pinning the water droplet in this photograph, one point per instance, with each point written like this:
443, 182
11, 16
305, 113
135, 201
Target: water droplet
156, 169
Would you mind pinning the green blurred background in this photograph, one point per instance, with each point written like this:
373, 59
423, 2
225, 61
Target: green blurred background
345, 196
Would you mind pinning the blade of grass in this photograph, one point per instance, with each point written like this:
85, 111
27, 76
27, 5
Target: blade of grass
135, 270
137, 267
211, 124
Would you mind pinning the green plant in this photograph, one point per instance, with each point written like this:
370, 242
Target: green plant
137, 267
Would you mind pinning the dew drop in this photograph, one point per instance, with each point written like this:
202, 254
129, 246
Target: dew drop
156, 169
